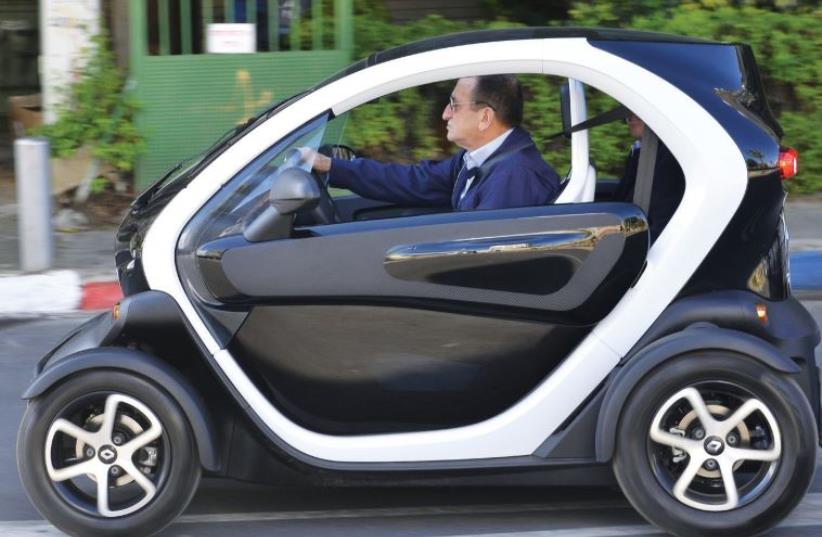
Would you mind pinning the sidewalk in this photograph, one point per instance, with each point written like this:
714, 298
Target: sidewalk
84, 275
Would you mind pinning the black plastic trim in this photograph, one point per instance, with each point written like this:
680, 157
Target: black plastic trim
789, 327
151, 368
142, 315
575, 439
698, 337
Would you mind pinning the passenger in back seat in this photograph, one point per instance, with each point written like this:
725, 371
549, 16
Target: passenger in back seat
668, 182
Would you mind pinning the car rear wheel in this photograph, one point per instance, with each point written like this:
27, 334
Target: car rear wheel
715, 443
107, 453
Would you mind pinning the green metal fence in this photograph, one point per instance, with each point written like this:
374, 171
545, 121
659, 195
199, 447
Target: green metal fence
189, 97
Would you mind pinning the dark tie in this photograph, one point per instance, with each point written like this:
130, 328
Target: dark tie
459, 185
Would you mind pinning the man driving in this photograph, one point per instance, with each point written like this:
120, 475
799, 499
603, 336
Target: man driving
499, 165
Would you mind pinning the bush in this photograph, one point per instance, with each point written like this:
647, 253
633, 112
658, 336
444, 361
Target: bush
98, 112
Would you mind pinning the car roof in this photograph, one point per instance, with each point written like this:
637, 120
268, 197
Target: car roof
513, 34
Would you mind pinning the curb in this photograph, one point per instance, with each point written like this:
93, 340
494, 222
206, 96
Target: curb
807, 294
100, 295
58, 291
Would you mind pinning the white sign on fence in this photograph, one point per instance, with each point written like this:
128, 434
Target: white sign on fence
233, 38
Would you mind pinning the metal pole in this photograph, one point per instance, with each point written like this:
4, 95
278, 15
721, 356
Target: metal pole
32, 171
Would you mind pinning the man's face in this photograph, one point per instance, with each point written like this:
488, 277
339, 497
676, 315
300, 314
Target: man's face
635, 126
461, 117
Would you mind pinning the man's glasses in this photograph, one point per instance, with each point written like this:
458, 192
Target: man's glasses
455, 106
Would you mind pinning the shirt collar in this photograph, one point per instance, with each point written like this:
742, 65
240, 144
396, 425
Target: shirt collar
476, 157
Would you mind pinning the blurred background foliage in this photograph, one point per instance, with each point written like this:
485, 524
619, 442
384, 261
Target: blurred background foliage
785, 36
98, 112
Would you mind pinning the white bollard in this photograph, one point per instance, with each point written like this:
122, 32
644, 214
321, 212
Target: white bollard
32, 171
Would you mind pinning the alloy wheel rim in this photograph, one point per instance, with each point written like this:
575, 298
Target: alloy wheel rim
107, 454
725, 457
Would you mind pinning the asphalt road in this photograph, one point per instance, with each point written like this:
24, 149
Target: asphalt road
224, 507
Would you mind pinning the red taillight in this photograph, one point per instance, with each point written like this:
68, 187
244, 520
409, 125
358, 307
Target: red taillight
788, 162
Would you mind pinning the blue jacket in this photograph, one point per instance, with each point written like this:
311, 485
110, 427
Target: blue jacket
521, 179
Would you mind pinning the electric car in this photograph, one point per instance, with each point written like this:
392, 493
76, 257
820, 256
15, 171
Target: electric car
271, 325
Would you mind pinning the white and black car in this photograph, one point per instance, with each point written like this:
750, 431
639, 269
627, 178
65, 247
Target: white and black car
267, 324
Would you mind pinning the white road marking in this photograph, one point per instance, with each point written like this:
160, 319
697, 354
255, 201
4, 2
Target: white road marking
382, 512
808, 513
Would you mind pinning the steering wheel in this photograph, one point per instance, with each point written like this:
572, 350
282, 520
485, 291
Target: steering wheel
326, 212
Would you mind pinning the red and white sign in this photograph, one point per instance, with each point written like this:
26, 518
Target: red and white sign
231, 38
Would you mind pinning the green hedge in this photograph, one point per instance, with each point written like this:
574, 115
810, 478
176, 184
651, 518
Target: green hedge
788, 46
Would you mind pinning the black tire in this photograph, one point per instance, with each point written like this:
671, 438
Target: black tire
175, 472
641, 465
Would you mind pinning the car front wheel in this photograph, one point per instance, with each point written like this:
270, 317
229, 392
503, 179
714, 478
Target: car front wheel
715, 443
107, 453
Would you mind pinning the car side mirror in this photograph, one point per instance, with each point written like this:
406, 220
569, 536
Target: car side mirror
292, 191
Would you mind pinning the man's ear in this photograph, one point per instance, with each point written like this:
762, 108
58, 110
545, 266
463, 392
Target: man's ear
487, 118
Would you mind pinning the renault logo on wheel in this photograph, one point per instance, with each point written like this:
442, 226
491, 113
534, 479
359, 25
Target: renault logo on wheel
107, 454
714, 445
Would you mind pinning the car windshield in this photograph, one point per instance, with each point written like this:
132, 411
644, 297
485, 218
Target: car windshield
246, 196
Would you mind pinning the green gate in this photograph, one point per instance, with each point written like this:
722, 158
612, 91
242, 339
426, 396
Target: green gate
188, 97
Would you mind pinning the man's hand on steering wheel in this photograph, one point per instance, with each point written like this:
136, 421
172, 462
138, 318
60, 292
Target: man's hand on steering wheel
319, 162
325, 212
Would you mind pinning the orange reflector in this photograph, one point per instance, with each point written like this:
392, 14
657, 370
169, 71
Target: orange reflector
788, 162
115, 312
762, 313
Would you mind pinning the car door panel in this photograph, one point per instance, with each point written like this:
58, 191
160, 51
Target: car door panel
595, 247
421, 323
367, 369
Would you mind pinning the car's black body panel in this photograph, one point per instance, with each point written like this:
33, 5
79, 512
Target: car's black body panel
789, 328
128, 247
151, 317
387, 369
754, 231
